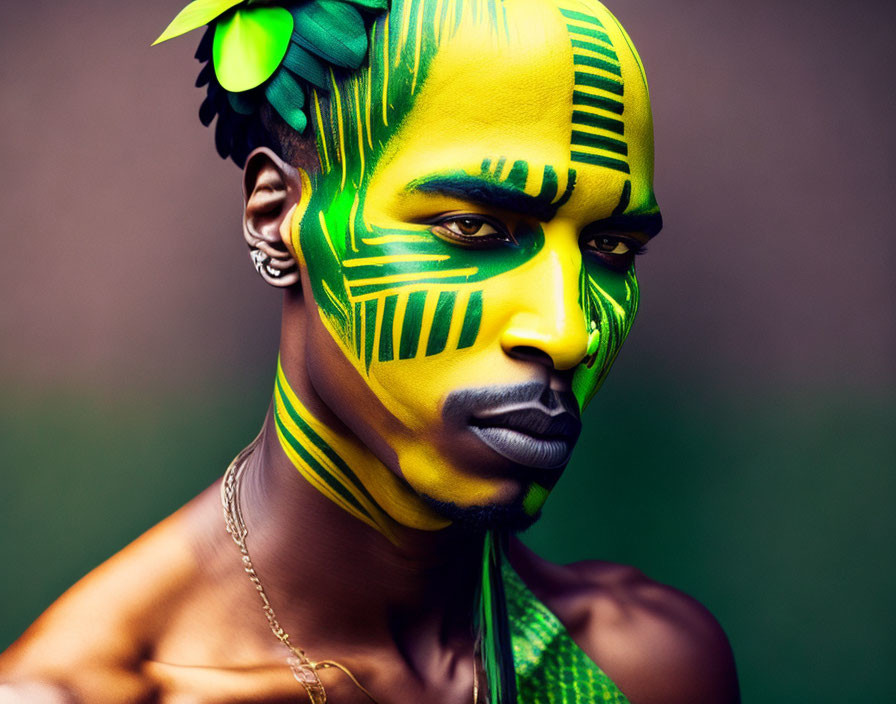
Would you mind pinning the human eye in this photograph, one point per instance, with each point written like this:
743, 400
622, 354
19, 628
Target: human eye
472, 230
614, 249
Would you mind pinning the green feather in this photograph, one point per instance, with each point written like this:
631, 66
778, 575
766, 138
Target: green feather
287, 97
494, 627
249, 46
333, 30
306, 65
194, 15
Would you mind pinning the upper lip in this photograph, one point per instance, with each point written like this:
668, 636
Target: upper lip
529, 423
531, 418
529, 407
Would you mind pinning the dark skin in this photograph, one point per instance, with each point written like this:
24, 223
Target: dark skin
173, 617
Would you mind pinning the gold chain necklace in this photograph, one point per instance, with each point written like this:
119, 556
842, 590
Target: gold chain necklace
303, 668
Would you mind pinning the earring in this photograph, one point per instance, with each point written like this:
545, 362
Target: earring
262, 263
280, 271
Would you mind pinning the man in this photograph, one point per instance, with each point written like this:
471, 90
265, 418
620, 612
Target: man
456, 250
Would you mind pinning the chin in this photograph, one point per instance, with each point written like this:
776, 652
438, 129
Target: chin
478, 519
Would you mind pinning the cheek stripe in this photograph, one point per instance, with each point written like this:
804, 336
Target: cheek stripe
370, 312
441, 324
390, 239
357, 329
386, 332
472, 317
380, 285
335, 301
411, 325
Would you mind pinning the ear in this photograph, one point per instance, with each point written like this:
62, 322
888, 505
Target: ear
271, 189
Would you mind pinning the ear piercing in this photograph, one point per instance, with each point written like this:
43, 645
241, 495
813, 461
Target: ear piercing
262, 263
278, 271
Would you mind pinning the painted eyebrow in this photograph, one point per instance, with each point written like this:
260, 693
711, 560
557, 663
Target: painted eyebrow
486, 192
648, 223
501, 195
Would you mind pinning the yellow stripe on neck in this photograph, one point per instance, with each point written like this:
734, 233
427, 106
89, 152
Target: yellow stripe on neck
345, 471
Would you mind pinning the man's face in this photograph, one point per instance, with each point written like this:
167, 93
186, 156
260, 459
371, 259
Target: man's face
479, 276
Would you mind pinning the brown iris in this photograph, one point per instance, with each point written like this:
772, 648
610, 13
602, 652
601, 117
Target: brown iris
471, 231
468, 226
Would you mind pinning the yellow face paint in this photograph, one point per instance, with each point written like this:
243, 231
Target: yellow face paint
485, 183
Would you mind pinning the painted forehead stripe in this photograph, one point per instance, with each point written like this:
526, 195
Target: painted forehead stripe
598, 133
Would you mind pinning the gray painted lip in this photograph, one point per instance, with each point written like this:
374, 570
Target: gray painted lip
525, 449
528, 424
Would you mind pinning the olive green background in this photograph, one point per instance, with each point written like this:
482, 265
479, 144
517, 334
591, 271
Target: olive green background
742, 450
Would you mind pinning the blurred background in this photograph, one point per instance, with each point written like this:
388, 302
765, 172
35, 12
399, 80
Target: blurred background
742, 450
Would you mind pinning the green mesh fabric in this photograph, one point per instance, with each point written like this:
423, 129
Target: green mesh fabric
550, 667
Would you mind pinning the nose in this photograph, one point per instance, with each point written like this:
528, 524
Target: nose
548, 321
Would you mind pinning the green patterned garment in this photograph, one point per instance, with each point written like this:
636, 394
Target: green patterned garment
550, 667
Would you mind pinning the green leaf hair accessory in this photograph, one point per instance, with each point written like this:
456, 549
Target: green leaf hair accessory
333, 30
287, 97
260, 51
249, 46
308, 66
195, 15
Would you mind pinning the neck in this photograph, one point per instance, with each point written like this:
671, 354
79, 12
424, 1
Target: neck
326, 571
345, 471
339, 541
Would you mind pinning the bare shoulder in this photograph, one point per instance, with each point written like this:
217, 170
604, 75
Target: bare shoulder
90, 645
659, 645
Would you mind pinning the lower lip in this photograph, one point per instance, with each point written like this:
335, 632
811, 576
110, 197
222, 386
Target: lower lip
524, 449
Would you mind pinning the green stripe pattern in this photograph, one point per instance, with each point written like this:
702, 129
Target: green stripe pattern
598, 133
374, 332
